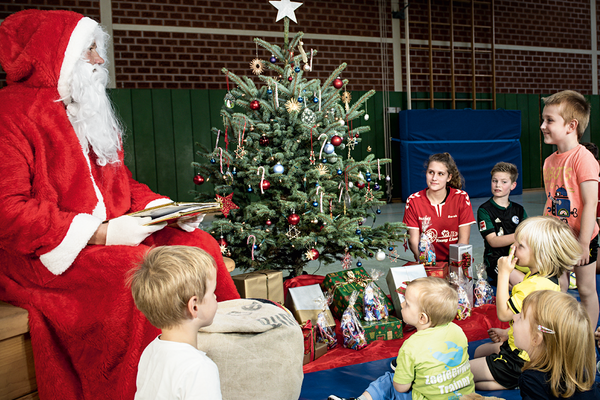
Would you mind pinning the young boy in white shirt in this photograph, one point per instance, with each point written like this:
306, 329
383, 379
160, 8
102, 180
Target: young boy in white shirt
175, 289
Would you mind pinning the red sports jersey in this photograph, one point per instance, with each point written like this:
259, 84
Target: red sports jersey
446, 218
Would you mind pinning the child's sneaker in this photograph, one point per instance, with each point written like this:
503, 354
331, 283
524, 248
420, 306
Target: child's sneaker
334, 397
572, 281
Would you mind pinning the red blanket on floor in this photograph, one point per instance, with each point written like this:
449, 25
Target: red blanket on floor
475, 328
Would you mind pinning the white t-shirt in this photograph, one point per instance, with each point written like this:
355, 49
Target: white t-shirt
173, 370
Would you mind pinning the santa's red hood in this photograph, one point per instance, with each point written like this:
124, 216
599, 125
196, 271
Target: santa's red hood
40, 48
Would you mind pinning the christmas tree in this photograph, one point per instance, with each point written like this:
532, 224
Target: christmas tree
283, 168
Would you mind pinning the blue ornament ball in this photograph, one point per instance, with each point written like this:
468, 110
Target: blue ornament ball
358, 232
368, 179
315, 204
339, 172
213, 161
250, 190
349, 246
297, 69
269, 91
362, 239
378, 211
390, 248
273, 59
234, 172
376, 187
324, 161
255, 247
300, 99
329, 148
367, 174
278, 168
358, 264
315, 99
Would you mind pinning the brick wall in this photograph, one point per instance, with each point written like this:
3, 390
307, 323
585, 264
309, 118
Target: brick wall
147, 58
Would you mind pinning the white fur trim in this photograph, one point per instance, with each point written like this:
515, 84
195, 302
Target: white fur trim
100, 209
158, 202
82, 228
80, 38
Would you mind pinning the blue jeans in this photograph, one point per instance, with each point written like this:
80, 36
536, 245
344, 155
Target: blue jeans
383, 389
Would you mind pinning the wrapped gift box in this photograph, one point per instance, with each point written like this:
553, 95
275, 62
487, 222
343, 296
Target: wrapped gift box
267, 284
386, 329
397, 275
343, 283
320, 350
312, 349
303, 302
439, 270
461, 256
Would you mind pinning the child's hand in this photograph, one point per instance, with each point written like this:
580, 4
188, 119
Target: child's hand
507, 264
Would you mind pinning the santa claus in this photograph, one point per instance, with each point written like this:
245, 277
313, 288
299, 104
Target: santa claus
63, 177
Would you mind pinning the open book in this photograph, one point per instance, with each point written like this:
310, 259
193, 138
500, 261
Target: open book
173, 211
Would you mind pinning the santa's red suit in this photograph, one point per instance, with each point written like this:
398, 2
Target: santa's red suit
86, 332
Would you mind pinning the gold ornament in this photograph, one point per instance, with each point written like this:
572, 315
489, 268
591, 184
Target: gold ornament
369, 149
323, 170
293, 232
256, 66
292, 105
346, 97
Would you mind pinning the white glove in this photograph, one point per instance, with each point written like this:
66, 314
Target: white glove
190, 223
130, 231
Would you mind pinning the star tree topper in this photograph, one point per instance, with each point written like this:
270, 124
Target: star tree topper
226, 204
285, 8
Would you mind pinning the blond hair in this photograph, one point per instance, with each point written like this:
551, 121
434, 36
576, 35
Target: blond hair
553, 245
508, 168
567, 356
457, 180
571, 105
436, 298
167, 278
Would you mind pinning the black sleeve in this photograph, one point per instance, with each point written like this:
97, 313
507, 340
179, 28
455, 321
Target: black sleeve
533, 385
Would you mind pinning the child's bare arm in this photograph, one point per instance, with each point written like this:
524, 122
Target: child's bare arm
464, 234
505, 266
500, 241
402, 388
589, 197
413, 242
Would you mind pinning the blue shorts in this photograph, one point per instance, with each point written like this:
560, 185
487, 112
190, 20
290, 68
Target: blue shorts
383, 389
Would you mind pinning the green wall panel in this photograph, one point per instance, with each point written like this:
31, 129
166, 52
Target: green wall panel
163, 127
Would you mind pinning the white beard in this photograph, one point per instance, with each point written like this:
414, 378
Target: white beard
91, 113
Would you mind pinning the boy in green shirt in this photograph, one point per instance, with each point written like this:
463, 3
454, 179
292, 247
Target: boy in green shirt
433, 363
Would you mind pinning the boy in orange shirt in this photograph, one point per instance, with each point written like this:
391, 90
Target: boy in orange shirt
571, 184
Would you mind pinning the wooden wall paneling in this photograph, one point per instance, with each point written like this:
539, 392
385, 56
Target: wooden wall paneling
165, 140
143, 134
203, 120
183, 138
121, 99
526, 140
534, 151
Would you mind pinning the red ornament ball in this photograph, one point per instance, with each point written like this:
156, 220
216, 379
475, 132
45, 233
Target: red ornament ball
265, 184
315, 254
293, 219
264, 141
222, 242
336, 140
254, 105
290, 78
269, 222
338, 83
356, 135
360, 184
198, 179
